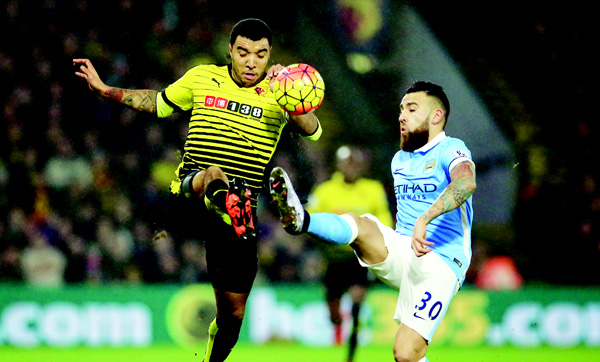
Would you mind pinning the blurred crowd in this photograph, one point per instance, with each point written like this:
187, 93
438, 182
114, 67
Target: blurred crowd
84, 182
559, 208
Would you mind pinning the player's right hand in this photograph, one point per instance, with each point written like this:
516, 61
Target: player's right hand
87, 71
272, 73
419, 243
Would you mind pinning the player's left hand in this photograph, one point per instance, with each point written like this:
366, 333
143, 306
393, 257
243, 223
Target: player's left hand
272, 74
419, 243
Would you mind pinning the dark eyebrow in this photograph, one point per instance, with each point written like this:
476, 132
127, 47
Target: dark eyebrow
239, 47
409, 104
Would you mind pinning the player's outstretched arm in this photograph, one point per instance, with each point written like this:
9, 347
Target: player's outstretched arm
461, 187
140, 100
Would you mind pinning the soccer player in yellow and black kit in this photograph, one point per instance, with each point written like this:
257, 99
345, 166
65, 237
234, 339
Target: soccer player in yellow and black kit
234, 128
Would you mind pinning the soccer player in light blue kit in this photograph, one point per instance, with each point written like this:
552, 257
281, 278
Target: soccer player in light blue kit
426, 257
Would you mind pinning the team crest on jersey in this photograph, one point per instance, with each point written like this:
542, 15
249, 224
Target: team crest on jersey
259, 90
429, 166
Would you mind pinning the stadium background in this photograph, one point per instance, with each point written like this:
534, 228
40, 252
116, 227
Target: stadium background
83, 182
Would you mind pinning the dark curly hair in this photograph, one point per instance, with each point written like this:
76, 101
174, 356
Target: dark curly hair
251, 28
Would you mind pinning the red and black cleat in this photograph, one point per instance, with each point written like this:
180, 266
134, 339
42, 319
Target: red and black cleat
239, 208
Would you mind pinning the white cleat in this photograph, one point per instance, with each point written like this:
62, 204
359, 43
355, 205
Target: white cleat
288, 204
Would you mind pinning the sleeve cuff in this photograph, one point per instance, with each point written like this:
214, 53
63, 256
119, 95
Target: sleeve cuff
164, 107
458, 160
316, 134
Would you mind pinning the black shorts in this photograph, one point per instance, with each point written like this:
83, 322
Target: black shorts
232, 263
342, 274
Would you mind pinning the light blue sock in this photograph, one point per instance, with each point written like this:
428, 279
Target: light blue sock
332, 228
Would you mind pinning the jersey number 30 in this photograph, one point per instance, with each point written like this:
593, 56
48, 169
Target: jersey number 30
427, 309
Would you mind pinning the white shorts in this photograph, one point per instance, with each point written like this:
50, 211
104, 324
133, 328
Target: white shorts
426, 284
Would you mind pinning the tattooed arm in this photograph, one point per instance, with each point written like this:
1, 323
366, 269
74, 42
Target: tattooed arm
140, 100
456, 193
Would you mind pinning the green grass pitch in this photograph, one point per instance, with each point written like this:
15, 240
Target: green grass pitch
287, 352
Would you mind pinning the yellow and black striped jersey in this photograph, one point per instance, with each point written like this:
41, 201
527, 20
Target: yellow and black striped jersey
232, 127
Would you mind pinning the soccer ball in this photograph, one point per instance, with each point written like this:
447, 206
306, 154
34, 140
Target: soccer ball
299, 88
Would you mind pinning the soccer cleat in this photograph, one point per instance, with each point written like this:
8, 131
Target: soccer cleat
288, 204
239, 208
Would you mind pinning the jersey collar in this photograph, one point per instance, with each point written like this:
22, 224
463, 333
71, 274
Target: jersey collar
429, 145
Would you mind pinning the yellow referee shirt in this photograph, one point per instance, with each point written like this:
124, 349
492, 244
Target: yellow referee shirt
363, 196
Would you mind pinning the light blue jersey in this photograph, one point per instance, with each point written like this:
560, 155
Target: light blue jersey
419, 179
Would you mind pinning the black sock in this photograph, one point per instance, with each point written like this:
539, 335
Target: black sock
225, 339
355, 313
216, 192
306, 222
353, 342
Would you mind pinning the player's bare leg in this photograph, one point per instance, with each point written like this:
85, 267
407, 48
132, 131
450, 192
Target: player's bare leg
409, 346
369, 244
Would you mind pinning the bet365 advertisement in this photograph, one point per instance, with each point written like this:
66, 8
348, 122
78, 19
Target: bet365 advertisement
105, 316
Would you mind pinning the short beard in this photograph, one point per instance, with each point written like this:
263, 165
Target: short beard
412, 141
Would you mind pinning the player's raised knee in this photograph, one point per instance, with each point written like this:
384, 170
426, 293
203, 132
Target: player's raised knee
405, 355
215, 172
367, 228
